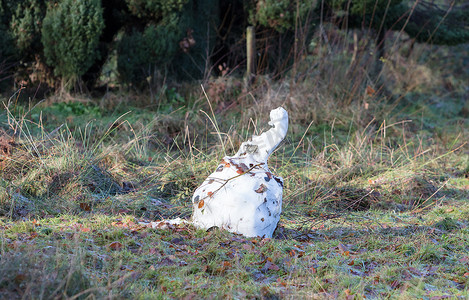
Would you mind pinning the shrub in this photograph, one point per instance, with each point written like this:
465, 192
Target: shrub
280, 15
25, 25
436, 23
142, 54
154, 9
70, 36
7, 55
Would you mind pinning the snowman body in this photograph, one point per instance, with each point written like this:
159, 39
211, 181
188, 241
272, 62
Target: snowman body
242, 195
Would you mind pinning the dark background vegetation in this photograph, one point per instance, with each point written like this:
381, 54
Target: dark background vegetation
49, 46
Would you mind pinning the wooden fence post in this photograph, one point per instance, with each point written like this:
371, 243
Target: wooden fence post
251, 55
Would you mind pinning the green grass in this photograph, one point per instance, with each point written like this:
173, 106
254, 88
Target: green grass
371, 254
375, 199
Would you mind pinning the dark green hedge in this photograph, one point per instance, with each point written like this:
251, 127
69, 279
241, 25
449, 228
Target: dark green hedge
75, 38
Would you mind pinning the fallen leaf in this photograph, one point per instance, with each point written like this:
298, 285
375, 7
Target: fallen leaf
14, 245
370, 91
243, 167
115, 246
209, 194
166, 261
296, 251
270, 266
281, 282
279, 181
356, 272
226, 264
262, 188
395, 284
20, 278
266, 293
85, 206
201, 204
343, 248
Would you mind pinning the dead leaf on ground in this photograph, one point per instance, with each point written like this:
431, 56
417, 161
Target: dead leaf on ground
33, 235
342, 248
370, 91
85, 206
20, 278
281, 282
270, 266
115, 246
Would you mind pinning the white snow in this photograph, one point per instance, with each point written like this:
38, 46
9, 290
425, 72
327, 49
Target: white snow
242, 195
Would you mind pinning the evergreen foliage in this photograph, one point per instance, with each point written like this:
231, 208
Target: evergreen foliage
75, 38
280, 15
141, 54
431, 24
25, 24
424, 21
199, 18
154, 9
7, 56
70, 36
7, 49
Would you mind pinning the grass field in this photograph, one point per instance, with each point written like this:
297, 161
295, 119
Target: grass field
375, 201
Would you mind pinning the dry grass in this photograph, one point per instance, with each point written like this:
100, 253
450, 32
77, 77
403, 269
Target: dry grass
375, 199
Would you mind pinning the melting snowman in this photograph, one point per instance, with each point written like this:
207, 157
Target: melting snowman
242, 195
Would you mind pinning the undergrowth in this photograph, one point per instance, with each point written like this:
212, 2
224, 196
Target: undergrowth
375, 199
